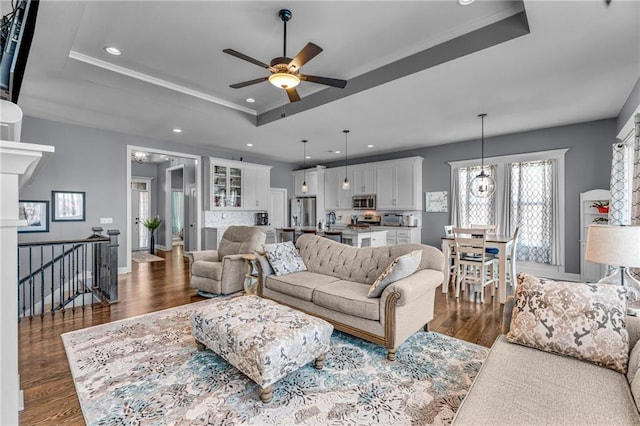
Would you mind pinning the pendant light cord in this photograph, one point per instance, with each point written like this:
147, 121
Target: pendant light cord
346, 133
482, 116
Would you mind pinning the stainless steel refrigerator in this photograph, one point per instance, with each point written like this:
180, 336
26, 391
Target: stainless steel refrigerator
303, 212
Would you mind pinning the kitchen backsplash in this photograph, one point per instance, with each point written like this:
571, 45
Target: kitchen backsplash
214, 219
343, 217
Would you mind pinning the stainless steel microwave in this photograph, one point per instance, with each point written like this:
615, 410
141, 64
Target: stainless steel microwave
364, 202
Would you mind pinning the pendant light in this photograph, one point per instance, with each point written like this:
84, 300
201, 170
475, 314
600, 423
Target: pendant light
483, 185
345, 183
304, 188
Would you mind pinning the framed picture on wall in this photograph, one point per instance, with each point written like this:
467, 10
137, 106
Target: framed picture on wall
35, 213
68, 206
435, 201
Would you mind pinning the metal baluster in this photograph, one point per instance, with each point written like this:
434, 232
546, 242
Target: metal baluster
41, 281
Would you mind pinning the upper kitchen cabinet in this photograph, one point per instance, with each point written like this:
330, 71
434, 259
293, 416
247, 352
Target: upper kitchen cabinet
363, 179
227, 181
336, 198
257, 181
314, 178
399, 184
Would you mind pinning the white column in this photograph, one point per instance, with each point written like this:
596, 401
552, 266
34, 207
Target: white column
16, 160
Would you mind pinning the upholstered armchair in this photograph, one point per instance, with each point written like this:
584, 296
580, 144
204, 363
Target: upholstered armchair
223, 271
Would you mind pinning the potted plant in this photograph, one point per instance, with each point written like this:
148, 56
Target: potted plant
601, 206
152, 224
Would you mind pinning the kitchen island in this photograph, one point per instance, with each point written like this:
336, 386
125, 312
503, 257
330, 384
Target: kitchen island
356, 237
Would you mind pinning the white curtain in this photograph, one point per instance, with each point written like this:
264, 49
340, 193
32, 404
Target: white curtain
556, 243
504, 216
635, 194
455, 198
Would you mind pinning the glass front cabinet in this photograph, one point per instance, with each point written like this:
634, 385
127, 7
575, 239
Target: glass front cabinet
226, 185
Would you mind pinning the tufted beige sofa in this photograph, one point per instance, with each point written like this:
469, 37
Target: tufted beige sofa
337, 280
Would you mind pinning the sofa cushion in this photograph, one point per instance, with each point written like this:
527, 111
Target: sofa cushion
298, 284
349, 298
206, 269
399, 268
284, 258
518, 385
585, 321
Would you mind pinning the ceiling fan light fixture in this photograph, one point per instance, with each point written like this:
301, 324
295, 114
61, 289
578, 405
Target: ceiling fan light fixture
283, 80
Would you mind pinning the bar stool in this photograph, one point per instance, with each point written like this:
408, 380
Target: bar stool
334, 235
288, 234
309, 231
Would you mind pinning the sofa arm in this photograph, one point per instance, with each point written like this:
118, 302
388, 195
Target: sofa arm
414, 286
208, 255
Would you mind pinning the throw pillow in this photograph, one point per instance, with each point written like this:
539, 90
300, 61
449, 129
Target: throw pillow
584, 321
399, 268
284, 258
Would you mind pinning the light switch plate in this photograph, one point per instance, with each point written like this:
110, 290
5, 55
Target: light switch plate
105, 220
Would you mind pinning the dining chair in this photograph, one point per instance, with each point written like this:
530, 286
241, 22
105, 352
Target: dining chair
334, 235
512, 277
288, 234
491, 229
474, 267
448, 233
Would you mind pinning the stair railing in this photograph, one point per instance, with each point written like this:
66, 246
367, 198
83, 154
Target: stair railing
58, 275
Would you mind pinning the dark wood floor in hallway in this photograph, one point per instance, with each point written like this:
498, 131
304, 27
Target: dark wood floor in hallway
49, 392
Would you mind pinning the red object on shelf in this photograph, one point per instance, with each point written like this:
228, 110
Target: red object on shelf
603, 209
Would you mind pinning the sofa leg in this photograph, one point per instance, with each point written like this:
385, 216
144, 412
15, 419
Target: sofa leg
391, 354
426, 327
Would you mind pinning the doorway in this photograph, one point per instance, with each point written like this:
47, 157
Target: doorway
161, 203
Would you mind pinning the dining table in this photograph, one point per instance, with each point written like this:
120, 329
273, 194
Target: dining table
502, 243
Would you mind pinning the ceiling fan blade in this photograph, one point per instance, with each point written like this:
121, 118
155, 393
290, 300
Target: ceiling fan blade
293, 94
246, 58
307, 53
334, 82
248, 83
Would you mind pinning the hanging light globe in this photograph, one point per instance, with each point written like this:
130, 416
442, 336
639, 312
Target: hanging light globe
483, 185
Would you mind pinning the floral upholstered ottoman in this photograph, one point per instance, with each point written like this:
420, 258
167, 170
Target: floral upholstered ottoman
261, 338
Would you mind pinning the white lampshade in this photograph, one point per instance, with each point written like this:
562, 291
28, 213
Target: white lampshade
613, 245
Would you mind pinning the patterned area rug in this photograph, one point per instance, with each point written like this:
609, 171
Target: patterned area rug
147, 370
143, 256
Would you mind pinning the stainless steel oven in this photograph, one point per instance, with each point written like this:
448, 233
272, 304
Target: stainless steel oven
364, 202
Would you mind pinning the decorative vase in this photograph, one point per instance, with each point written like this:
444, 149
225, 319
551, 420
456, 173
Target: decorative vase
152, 244
603, 209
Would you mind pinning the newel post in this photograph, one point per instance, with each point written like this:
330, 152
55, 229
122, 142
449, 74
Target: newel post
113, 264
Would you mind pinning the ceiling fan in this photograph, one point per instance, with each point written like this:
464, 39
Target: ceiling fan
285, 72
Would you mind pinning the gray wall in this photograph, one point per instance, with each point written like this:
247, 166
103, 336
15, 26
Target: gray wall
587, 164
629, 106
95, 161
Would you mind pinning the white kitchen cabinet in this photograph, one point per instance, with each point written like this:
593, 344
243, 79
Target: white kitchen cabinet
403, 235
336, 198
311, 178
399, 184
589, 271
224, 186
257, 182
363, 179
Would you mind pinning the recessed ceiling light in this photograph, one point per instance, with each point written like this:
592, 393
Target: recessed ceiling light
249, 144
251, 100
112, 50
176, 130
336, 152
465, 2
370, 146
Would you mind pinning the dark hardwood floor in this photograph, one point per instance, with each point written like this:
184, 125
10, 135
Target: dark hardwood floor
49, 392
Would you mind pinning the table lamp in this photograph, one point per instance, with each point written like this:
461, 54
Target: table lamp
617, 246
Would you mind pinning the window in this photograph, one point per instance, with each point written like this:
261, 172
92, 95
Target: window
531, 209
529, 195
474, 210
